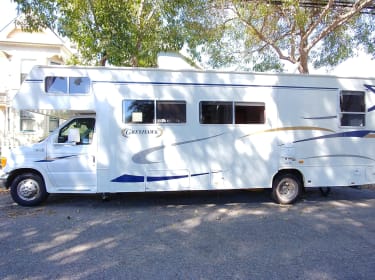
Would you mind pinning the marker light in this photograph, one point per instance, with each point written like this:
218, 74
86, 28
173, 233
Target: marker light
3, 161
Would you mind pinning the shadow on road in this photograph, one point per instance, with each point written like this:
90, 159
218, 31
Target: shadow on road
260, 196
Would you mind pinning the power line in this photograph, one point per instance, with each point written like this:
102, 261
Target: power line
336, 4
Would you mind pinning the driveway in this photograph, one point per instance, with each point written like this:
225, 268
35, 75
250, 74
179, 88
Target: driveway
190, 235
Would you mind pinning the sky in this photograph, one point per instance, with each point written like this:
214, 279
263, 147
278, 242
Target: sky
7, 12
362, 66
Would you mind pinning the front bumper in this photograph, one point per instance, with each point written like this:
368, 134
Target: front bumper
3, 179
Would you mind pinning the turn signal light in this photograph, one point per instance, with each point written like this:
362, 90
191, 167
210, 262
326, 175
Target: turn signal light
3, 161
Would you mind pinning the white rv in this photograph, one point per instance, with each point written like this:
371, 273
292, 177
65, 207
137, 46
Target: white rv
137, 130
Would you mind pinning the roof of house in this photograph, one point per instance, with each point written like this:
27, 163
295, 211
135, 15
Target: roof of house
12, 33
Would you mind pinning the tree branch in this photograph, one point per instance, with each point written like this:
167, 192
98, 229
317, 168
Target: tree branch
355, 9
318, 21
263, 38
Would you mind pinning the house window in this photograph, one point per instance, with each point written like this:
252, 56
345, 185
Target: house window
53, 123
27, 120
352, 108
54, 62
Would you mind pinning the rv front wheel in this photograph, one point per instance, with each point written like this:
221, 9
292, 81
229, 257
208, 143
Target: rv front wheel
28, 189
286, 188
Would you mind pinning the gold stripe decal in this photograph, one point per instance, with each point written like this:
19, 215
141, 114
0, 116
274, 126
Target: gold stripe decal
290, 128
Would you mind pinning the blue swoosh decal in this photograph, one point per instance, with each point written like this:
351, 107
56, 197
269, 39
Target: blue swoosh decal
127, 178
56, 158
356, 134
371, 88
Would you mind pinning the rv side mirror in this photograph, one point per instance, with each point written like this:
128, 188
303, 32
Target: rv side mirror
73, 135
62, 139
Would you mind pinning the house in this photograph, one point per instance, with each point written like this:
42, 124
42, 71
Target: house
19, 52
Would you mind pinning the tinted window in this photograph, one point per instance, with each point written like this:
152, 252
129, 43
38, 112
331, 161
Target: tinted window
353, 108
138, 111
214, 112
171, 111
85, 128
56, 85
249, 113
79, 85
76, 85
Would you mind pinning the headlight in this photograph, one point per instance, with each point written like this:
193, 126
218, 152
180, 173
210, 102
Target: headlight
3, 161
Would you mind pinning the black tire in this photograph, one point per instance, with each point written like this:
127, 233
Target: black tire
28, 189
286, 188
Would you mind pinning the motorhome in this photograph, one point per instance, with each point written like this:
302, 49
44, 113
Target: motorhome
147, 130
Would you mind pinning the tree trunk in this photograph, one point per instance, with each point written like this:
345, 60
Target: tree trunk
134, 61
104, 58
303, 66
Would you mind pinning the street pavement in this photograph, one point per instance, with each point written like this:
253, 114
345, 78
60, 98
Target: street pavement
190, 235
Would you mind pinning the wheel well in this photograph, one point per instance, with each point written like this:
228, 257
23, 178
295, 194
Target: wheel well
17, 172
295, 172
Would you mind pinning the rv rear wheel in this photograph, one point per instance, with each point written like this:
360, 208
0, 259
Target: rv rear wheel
28, 189
286, 188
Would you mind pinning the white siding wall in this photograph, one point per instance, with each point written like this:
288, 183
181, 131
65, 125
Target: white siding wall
21, 51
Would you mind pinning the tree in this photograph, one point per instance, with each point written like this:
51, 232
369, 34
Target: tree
251, 34
127, 33
260, 34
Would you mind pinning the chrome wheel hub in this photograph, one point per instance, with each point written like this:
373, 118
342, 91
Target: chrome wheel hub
28, 189
288, 189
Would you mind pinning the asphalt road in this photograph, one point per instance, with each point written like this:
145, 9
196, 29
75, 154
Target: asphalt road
198, 235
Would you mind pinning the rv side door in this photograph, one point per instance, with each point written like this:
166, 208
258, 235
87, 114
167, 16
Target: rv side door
71, 157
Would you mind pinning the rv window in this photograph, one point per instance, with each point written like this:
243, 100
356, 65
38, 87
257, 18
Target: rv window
249, 113
213, 112
56, 85
171, 111
79, 85
138, 111
353, 108
85, 127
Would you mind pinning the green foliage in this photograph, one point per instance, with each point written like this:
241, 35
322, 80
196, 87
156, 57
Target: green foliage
74, 60
259, 34
130, 33
336, 47
248, 35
